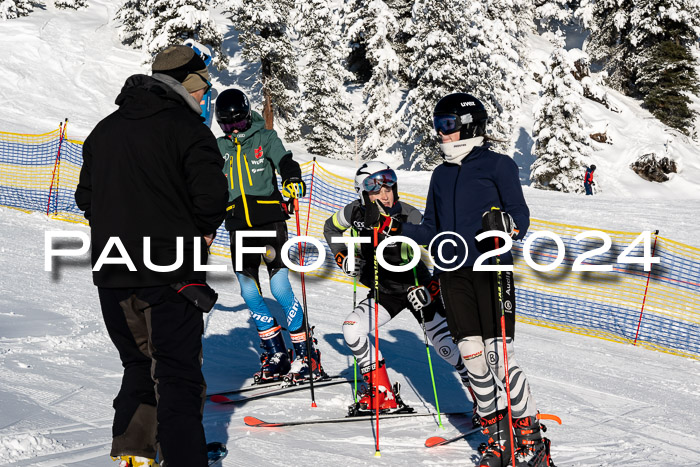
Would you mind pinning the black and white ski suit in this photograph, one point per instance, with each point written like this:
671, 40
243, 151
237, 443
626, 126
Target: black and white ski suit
393, 286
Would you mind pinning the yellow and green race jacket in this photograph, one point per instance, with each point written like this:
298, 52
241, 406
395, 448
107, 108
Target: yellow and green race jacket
252, 160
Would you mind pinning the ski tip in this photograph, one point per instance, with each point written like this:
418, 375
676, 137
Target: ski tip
548, 416
253, 421
434, 441
219, 399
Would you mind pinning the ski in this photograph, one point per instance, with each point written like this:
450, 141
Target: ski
274, 391
278, 384
216, 452
440, 440
256, 422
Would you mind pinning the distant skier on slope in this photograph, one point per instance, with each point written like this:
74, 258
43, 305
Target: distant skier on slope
397, 290
462, 195
588, 180
251, 155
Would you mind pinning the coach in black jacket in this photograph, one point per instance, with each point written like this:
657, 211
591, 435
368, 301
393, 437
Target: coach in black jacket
152, 173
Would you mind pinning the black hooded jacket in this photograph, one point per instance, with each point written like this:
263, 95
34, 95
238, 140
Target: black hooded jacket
151, 169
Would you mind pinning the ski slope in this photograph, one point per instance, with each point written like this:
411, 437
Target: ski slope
621, 405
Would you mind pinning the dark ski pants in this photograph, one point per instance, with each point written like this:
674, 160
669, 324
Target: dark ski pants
159, 406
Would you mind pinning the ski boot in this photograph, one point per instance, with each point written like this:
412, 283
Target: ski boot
299, 370
275, 359
377, 384
497, 452
135, 461
532, 450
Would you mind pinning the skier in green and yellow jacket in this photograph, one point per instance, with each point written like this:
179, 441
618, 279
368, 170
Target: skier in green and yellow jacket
252, 156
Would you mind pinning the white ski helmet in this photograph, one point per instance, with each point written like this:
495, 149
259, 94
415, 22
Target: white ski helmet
375, 174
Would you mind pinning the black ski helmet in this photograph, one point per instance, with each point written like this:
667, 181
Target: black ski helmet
460, 112
232, 106
593, 167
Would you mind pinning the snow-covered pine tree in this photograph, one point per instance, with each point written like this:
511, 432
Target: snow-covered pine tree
561, 143
353, 19
608, 42
551, 13
626, 39
505, 27
174, 21
328, 125
264, 36
664, 68
438, 67
132, 15
70, 4
377, 130
11, 9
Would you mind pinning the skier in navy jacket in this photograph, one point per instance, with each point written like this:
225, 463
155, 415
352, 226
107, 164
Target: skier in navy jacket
462, 194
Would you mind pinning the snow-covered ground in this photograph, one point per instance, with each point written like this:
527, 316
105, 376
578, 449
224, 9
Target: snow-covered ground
620, 405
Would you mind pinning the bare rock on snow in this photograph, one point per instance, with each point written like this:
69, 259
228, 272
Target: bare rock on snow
654, 169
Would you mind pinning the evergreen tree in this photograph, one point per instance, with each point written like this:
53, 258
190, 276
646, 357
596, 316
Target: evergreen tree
11, 9
663, 32
132, 15
326, 104
550, 13
378, 129
264, 36
438, 67
174, 21
70, 4
638, 43
505, 27
561, 145
353, 20
666, 77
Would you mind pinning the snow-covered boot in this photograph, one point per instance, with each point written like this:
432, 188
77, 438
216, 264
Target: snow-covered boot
275, 359
377, 380
135, 461
497, 452
299, 370
532, 450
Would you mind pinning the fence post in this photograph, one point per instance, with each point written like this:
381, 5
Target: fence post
56, 166
639, 325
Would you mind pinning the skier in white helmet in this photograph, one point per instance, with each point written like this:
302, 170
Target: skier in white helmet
397, 290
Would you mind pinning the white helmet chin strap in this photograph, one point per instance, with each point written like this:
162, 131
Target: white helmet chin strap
456, 151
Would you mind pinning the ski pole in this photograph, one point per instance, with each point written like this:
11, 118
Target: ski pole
505, 348
354, 305
377, 453
306, 313
427, 350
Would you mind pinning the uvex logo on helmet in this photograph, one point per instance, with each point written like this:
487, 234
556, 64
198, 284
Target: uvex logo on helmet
468, 104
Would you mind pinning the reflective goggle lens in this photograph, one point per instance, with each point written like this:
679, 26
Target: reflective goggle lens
376, 181
446, 124
229, 127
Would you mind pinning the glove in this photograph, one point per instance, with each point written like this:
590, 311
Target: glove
344, 264
495, 219
419, 297
294, 187
376, 216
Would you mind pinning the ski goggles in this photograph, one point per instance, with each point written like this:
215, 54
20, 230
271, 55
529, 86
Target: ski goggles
376, 181
241, 125
449, 123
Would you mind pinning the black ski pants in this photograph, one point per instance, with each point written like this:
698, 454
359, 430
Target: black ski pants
159, 406
472, 303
